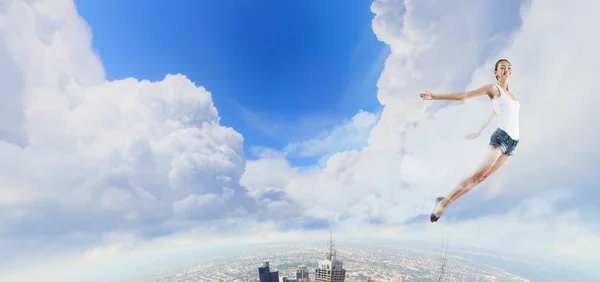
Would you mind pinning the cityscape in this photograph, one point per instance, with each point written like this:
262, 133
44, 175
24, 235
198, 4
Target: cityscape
302, 263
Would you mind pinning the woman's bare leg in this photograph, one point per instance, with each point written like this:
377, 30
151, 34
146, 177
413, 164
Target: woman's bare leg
470, 182
499, 162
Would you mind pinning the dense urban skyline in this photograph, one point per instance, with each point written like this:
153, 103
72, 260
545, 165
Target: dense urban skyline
362, 262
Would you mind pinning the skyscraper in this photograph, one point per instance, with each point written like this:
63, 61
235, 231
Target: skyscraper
275, 276
330, 269
302, 274
265, 274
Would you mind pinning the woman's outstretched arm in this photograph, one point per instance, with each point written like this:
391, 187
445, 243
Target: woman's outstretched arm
485, 124
487, 89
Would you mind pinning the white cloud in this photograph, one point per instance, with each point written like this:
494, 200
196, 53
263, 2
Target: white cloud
352, 134
373, 183
267, 174
124, 255
416, 151
97, 155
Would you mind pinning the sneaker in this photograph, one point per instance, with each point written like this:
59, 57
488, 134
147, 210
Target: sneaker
434, 218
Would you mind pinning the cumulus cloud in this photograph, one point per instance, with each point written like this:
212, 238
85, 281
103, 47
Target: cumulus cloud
374, 182
94, 156
270, 173
416, 151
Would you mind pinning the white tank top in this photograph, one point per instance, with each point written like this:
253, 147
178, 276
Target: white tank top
507, 111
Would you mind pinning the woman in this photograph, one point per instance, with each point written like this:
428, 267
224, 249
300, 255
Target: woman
503, 141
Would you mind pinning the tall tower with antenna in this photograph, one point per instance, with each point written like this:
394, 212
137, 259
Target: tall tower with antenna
443, 259
330, 269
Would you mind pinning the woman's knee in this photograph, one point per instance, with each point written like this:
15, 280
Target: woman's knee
478, 177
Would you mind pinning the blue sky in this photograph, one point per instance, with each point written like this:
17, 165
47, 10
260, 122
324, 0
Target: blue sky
278, 71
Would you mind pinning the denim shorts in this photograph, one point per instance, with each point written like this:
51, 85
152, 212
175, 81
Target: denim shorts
502, 140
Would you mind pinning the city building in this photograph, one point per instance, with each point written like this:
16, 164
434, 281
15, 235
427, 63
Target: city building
302, 274
330, 269
265, 274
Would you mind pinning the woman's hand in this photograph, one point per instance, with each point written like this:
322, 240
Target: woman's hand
426, 95
472, 135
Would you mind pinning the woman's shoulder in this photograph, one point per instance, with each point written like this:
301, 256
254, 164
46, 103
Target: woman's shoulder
492, 90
